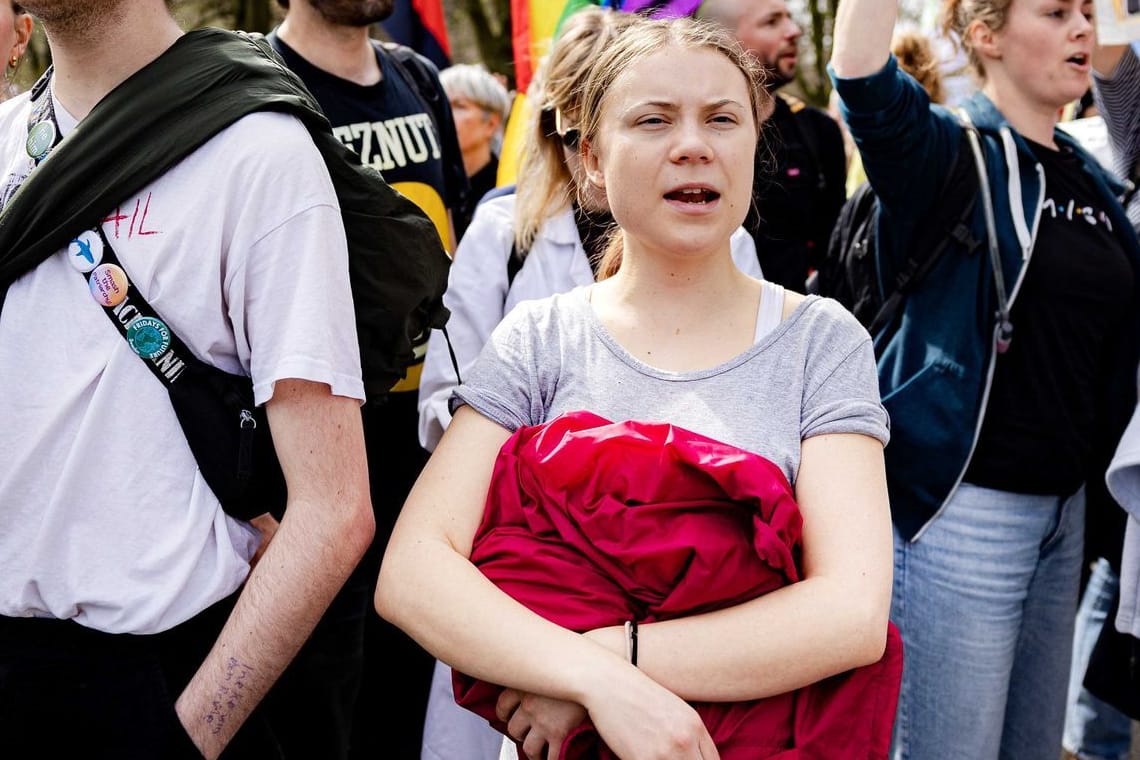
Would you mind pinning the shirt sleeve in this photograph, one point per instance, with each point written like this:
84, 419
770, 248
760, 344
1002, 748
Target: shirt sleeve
503, 384
287, 285
906, 145
841, 391
300, 318
1118, 100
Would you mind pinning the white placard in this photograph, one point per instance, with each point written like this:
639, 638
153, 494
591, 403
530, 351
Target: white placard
1117, 21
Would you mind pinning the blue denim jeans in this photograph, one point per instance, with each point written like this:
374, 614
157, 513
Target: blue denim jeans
985, 600
1094, 730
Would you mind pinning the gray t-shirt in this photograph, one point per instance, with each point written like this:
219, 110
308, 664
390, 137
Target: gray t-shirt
813, 374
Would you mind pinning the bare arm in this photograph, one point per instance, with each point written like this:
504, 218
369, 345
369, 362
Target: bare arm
863, 30
428, 587
835, 619
328, 524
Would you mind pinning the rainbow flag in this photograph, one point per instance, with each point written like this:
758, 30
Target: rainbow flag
534, 24
419, 24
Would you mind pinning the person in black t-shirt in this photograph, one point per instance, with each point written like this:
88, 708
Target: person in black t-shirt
799, 183
1043, 412
378, 106
385, 103
1009, 374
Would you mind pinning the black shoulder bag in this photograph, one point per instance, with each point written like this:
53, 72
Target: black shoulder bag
226, 431
397, 266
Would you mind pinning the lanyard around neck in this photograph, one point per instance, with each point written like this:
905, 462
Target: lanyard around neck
43, 126
92, 255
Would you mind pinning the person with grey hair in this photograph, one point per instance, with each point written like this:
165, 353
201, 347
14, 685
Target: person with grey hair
480, 105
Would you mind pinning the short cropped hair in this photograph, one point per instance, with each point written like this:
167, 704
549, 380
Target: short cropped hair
473, 82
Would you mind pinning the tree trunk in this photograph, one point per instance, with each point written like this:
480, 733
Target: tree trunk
253, 15
481, 31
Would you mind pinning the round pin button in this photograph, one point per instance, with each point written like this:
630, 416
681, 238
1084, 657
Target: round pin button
148, 336
86, 251
41, 138
108, 284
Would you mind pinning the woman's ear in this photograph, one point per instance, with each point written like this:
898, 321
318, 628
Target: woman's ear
983, 40
23, 33
591, 165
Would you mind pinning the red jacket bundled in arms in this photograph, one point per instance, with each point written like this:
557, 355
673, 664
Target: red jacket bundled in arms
591, 523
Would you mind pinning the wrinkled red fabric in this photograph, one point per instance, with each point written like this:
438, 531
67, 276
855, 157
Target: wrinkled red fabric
591, 523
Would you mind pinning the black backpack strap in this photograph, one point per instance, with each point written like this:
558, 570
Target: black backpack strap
417, 76
451, 353
227, 432
918, 264
160, 348
915, 269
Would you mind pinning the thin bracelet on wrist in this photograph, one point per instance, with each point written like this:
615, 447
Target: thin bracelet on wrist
631, 641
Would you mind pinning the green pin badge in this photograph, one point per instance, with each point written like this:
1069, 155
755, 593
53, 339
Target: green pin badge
149, 337
41, 138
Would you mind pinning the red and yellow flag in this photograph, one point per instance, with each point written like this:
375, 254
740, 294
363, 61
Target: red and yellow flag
534, 25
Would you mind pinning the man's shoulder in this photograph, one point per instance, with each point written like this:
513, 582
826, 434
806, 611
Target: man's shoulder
800, 109
405, 55
249, 153
267, 133
423, 73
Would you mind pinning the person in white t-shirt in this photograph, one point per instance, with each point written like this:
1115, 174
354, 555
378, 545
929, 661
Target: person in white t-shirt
114, 552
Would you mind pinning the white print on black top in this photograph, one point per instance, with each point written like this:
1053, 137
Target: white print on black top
1074, 211
386, 145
